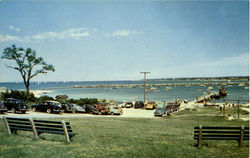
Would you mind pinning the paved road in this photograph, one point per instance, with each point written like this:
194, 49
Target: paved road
130, 113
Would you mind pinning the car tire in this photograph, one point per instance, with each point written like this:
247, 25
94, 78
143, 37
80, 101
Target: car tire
34, 109
48, 111
112, 113
73, 111
23, 112
13, 110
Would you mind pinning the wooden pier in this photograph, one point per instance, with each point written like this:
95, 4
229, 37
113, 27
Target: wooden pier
208, 97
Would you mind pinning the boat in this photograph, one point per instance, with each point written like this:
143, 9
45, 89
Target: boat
210, 88
168, 88
241, 84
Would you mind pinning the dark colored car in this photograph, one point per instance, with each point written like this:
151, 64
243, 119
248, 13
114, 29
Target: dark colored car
89, 108
139, 104
2, 107
16, 105
78, 108
48, 106
72, 108
68, 107
160, 111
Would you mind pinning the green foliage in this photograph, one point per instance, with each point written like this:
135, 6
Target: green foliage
23, 95
83, 101
45, 97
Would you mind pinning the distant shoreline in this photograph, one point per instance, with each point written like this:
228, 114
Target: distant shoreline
226, 78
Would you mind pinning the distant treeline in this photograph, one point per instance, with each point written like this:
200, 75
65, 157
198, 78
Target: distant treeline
30, 97
232, 78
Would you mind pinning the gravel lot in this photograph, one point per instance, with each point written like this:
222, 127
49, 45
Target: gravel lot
133, 113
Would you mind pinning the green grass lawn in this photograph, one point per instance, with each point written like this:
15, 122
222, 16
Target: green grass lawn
170, 136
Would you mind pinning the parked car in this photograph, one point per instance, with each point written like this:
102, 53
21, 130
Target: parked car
48, 106
129, 105
161, 111
78, 108
89, 108
15, 105
115, 110
121, 104
139, 104
73, 108
2, 107
173, 106
151, 105
103, 108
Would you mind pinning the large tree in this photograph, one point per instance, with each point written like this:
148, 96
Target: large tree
27, 63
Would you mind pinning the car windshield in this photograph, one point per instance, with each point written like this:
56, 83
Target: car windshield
160, 108
77, 106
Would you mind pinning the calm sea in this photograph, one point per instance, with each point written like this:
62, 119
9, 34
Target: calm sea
131, 94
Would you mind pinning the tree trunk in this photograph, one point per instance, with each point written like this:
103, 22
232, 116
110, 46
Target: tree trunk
27, 85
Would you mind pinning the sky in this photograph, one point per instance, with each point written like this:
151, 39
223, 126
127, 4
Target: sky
116, 40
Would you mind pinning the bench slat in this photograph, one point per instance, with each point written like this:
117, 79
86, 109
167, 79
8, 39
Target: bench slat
52, 129
48, 125
20, 119
45, 121
23, 129
232, 132
221, 138
206, 127
18, 122
19, 126
214, 135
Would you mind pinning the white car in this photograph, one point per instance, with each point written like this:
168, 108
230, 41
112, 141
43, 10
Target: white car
115, 110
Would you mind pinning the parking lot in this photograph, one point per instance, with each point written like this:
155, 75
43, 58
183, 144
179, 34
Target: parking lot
127, 112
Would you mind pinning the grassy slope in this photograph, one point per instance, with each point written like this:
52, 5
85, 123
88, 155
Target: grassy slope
128, 137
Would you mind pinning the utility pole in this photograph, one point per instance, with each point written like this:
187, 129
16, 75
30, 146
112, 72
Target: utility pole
145, 85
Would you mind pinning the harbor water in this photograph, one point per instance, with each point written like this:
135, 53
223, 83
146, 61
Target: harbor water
161, 93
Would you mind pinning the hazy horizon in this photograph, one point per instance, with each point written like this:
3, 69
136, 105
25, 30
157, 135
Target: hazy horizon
110, 40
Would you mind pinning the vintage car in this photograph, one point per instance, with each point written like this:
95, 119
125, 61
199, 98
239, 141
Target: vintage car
121, 104
2, 107
173, 106
139, 104
129, 105
115, 110
48, 106
103, 108
78, 108
161, 111
151, 105
89, 108
73, 108
15, 105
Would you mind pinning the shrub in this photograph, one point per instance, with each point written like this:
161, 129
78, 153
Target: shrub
23, 95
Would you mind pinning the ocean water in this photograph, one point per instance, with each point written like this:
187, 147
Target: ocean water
132, 94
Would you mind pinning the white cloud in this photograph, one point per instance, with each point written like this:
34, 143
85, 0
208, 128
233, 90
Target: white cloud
14, 28
73, 33
122, 33
9, 38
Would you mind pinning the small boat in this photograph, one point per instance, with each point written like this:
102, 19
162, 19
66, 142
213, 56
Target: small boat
241, 84
245, 87
210, 88
168, 88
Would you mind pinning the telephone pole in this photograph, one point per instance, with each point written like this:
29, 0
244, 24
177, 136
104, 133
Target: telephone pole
145, 85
